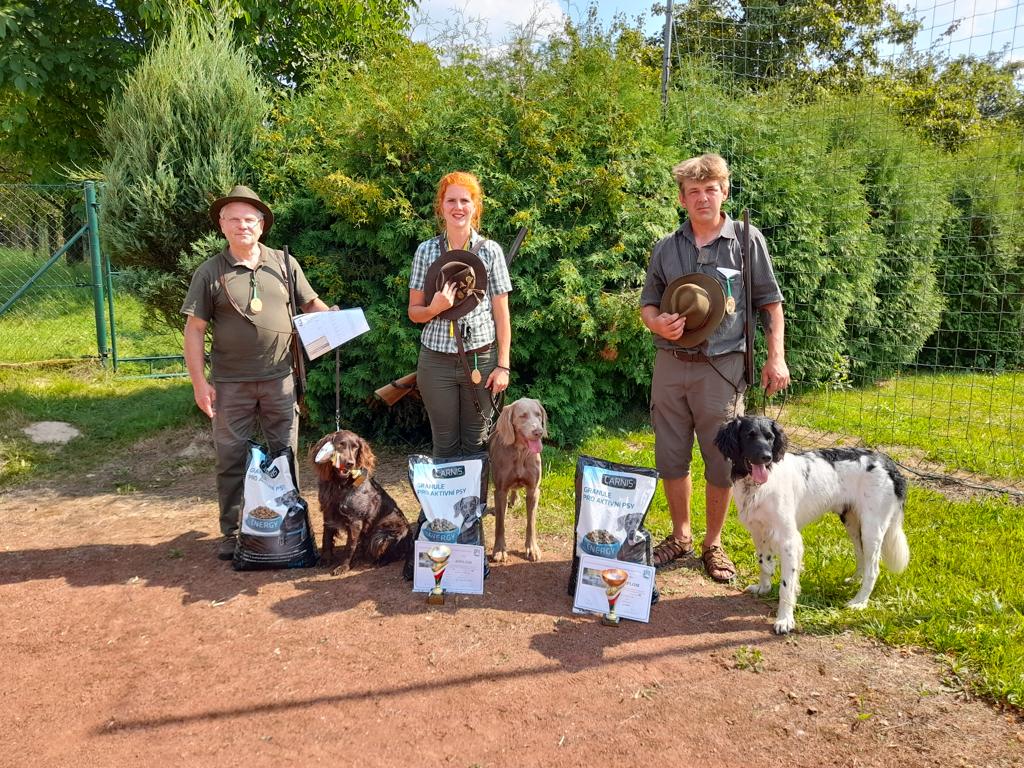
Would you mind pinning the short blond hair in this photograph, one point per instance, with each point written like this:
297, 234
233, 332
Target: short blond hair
703, 168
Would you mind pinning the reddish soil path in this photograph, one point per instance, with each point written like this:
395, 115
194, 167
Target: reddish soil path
127, 643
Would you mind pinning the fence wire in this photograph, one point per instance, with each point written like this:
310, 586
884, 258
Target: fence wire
895, 226
49, 313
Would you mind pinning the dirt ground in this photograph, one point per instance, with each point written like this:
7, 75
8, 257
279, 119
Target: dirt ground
127, 643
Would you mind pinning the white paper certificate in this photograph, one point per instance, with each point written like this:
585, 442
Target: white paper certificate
464, 573
323, 331
635, 599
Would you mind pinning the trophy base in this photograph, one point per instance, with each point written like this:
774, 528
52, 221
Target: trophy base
610, 621
435, 598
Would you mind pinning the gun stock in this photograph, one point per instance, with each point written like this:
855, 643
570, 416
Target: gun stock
396, 390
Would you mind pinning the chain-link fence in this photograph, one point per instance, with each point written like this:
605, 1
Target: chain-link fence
59, 300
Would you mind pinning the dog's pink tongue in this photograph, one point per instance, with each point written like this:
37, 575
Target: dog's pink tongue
759, 473
535, 445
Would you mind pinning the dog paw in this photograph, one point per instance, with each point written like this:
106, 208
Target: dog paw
757, 589
533, 553
857, 605
784, 625
499, 556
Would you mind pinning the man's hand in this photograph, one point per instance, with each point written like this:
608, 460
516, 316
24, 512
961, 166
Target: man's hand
774, 377
669, 326
205, 395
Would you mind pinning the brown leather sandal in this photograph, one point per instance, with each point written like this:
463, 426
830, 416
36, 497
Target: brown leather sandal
717, 564
671, 549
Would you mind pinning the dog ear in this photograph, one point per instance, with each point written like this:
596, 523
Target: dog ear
315, 449
504, 430
543, 417
728, 440
366, 459
780, 443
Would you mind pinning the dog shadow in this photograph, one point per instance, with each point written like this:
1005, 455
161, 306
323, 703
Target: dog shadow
186, 563
576, 642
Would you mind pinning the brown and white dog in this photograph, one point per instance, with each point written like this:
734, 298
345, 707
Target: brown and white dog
515, 463
353, 501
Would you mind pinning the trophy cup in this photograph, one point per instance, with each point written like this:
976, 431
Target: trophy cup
438, 561
615, 579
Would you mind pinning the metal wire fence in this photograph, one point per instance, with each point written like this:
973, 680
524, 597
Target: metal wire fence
895, 226
59, 299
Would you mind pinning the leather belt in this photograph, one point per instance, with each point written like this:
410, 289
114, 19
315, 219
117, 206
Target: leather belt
690, 357
478, 350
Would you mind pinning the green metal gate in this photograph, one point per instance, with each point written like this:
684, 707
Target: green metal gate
59, 299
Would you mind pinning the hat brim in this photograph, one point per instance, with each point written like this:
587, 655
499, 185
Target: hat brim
716, 296
471, 301
268, 215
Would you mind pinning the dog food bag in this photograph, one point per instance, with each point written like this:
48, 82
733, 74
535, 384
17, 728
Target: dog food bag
275, 530
612, 501
453, 498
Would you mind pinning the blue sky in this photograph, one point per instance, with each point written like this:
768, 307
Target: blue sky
987, 24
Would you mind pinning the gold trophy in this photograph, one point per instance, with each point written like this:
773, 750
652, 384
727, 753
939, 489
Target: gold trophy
616, 579
438, 561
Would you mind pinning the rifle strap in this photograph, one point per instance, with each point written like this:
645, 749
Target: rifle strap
488, 421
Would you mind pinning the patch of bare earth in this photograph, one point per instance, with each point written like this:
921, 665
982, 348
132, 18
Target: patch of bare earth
127, 643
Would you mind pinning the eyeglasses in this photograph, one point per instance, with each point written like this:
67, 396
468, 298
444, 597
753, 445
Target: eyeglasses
247, 221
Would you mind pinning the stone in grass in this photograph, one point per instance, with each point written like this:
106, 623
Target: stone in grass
52, 432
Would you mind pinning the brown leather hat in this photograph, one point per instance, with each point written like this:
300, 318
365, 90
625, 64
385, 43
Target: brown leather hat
242, 194
467, 271
701, 299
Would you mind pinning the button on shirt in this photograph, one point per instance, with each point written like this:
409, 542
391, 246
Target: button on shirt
477, 327
678, 255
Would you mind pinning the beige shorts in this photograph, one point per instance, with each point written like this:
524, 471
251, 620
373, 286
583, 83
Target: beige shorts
689, 397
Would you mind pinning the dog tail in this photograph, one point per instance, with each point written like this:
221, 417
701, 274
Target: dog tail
895, 551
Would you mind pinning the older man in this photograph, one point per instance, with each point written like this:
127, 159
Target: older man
698, 371
243, 293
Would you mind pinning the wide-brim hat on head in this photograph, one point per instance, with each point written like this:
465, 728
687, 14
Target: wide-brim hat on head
467, 271
242, 194
701, 300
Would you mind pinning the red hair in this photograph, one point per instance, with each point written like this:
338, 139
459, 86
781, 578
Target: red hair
462, 179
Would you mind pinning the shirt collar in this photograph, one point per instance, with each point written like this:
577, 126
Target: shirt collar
231, 262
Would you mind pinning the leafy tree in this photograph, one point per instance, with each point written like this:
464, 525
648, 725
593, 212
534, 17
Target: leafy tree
62, 60
956, 102
565, 137
813, 42
179, 136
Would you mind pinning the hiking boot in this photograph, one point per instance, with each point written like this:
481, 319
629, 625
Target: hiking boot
226, 548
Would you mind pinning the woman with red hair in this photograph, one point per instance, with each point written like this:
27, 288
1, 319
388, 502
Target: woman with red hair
459, 289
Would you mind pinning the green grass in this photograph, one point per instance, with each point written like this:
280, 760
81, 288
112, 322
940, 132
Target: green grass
55, 318
968, 421
111, 412
962, 595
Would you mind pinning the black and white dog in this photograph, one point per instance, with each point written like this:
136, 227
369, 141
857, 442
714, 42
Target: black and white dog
778, 494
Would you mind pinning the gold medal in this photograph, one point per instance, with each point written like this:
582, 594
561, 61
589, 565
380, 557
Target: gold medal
475, 376
255, 305
730, 305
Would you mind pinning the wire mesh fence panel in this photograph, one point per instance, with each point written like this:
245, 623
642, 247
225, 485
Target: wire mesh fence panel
48, 312
884, 162
52, 309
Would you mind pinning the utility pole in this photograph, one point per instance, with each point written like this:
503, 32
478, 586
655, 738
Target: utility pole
666, 58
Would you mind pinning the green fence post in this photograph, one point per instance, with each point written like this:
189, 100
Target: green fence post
97, 269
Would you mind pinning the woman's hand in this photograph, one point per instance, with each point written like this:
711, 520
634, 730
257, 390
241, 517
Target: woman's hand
443, 300
497, 382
